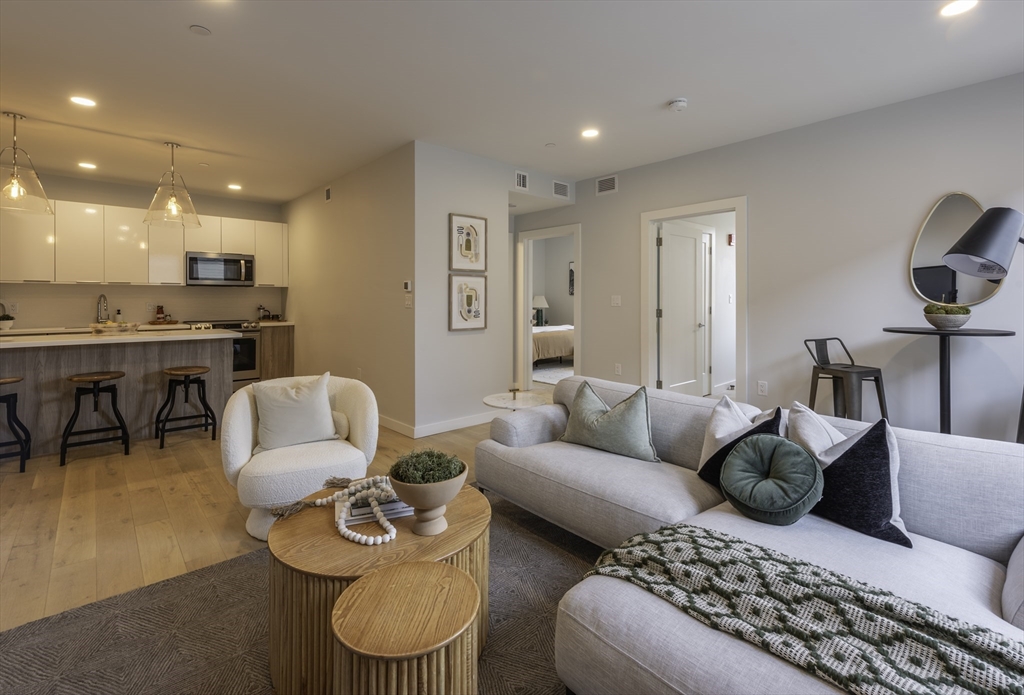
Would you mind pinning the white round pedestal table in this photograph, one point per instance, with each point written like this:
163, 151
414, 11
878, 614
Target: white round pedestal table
514, 400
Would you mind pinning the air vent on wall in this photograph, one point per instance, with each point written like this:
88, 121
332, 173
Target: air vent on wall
522, 181
560, 190
609, 184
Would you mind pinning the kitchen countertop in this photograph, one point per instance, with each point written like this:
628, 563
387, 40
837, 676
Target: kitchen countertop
71, 330
271, 324
149, 336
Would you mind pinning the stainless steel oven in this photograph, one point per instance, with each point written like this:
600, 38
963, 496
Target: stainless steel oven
230, 269
245, 359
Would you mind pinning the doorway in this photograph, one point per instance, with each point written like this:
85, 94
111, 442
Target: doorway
554, 338
693, 322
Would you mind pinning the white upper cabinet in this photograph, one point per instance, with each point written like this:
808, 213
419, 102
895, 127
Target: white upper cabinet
125, 245
237, 236
284, 254
26, 246
205, 239
269, 254
79, 242
166, 256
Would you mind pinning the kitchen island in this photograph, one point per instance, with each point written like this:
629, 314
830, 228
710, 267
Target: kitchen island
46, 398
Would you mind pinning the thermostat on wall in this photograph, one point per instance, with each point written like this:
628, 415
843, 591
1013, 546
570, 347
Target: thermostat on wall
407, 285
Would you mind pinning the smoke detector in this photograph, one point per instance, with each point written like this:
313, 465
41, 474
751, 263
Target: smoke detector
677, 105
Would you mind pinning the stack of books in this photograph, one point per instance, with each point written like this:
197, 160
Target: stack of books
364, 514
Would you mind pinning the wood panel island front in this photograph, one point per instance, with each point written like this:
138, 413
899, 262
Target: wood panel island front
46, 399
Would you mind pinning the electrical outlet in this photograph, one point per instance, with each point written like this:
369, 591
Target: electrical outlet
762, 388
150, 307
13, 308
618, 369
408, 301
616, 300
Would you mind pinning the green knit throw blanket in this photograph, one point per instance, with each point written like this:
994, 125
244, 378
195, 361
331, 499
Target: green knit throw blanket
861, 638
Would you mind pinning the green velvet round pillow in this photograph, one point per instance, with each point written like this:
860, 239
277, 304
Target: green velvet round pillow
771, 479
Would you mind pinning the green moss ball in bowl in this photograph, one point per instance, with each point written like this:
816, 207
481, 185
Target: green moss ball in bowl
947, 317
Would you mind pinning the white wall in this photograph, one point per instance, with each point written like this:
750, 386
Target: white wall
348, 259
833, 211
540, 264
558, 252
455, 370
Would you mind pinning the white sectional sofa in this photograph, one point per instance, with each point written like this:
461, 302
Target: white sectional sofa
962, 502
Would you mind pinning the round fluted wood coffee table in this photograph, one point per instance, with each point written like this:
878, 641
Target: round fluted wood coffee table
311, 565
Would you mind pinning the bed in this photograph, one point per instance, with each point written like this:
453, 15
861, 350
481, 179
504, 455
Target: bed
552, 341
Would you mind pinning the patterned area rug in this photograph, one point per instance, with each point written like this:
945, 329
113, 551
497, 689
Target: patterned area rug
552, 372
206, 631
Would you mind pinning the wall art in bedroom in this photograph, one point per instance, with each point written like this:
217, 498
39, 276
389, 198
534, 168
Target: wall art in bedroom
572, 278
467, 243
467, 302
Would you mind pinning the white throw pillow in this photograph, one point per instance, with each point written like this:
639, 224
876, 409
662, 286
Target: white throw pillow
291, 415
728, 425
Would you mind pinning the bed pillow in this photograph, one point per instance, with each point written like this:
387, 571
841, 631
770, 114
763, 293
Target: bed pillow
771, 479
861, 471
624, 429
290, 415
728, 426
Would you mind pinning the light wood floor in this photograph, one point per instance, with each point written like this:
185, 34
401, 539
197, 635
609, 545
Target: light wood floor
107, 523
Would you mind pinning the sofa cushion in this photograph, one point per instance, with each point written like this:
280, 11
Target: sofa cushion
624, 429
602, 497
772, 480
281, 476
728, 426
861, 489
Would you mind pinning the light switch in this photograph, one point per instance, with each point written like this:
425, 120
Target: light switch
616, 300
408, 301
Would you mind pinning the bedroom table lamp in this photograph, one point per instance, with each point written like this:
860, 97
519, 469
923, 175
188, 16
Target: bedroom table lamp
540, 304
986, 251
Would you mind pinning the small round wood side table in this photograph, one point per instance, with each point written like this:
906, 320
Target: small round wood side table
311, 565
407, 629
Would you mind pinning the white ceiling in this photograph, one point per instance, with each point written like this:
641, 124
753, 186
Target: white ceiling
286, 96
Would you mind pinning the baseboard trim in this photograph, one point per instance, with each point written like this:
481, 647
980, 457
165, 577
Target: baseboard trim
456, 424
396, 426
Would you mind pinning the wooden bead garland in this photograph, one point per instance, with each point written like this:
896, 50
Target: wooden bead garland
376, 489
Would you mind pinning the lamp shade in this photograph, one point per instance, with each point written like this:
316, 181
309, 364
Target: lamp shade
986, 249
22, 190
539, 302
172, 206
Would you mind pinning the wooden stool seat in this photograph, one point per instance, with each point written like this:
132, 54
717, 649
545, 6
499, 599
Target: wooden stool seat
186, 371
9, 380
94, 377
406, 629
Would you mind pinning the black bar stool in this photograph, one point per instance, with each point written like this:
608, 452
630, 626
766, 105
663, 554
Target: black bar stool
94, 379
22, 437
847, 379
191, 376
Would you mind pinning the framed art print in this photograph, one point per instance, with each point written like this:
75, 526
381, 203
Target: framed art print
467, 302
572, 278
467, 243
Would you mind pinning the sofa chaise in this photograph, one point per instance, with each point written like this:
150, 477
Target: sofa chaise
962, 503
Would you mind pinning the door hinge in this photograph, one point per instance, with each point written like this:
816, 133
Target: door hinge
658, 314
709, 369
660, 240
658, 384
709, 311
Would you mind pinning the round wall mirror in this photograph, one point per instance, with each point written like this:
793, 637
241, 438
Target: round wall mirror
931, 279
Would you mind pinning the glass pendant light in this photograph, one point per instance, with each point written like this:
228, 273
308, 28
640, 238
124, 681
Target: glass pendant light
172, 206
21, 187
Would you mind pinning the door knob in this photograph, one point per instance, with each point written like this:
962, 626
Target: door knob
700, 325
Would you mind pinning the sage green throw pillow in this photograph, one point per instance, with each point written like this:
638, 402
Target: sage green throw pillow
771, 479
624, 429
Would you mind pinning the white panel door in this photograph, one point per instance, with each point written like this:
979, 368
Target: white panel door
683, 301
125, 245
26, 246
78, 248
269, 254
205, 239
166, 256
237, 236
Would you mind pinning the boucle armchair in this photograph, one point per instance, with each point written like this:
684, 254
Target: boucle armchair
277, 477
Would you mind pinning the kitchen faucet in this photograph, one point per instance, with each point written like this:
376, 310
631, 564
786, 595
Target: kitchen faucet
101, 309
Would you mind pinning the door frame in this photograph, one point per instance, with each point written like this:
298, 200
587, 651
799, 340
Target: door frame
649, 279
523, 309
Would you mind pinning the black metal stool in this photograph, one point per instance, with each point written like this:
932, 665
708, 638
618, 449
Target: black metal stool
191, 376
847, 380
94, 379
22, 437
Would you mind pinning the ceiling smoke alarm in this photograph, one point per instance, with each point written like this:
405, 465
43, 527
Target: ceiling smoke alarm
677, 104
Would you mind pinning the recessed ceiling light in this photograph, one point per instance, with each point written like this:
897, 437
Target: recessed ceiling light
199, 30
82, 101
203, 164
958, 7
549, 144
590, 133
234, 187
86, 165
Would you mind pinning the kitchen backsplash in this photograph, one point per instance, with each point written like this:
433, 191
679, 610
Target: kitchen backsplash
53, 305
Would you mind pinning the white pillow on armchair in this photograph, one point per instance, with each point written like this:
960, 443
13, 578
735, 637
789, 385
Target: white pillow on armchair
290, 415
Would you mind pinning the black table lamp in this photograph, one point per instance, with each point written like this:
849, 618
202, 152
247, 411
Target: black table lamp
985, 251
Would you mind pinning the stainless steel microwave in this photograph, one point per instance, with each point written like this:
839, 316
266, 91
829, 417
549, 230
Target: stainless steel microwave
228, 269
